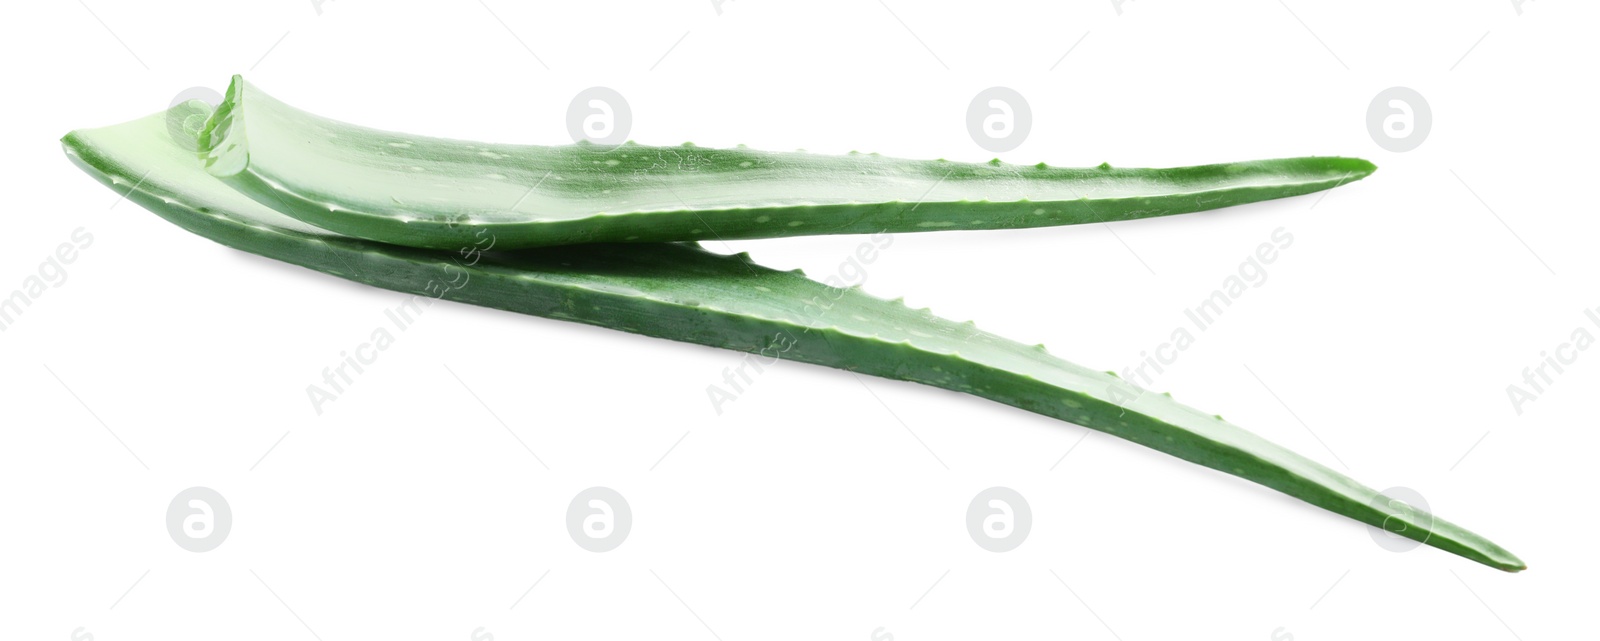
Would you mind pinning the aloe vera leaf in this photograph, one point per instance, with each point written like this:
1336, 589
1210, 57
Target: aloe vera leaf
679, 292
429, 192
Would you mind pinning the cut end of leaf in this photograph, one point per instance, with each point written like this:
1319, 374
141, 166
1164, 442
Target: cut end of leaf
222, 139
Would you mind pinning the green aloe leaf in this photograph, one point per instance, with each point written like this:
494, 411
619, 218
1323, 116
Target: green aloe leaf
680, 292
429, 192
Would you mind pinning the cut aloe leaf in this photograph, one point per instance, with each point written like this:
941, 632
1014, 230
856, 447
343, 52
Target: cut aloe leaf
682, 293
429, 192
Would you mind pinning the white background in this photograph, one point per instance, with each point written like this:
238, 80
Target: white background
1390, 331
